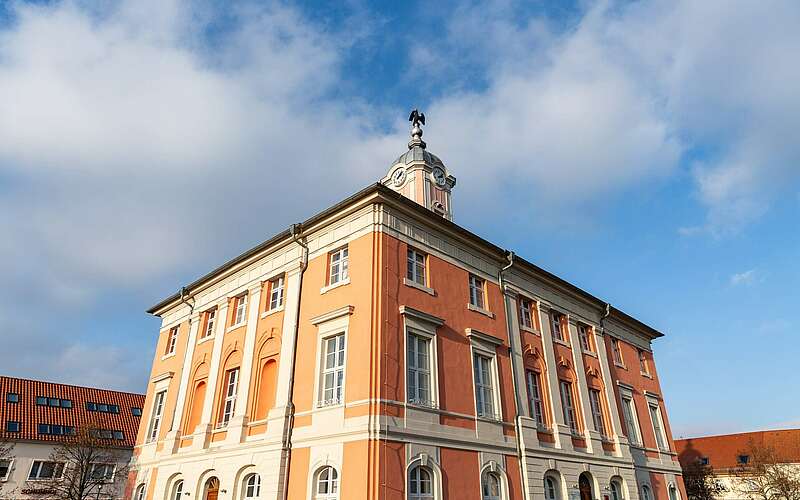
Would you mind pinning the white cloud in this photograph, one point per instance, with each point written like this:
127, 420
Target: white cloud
743, 278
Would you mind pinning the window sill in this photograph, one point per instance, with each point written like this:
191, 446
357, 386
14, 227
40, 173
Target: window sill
167, 356
328, 288
480, 310
495, 419
321, 405
414, 284
561, 342
646, 375
589, 353
234, 327
620, 365
425, 405
529, 330
272, 311
205, 339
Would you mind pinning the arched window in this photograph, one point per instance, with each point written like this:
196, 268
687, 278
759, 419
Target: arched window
177, 490
326, 486
551, 488
420, 483
646, 493
491, 486
616, 490
673, 492
252, 486
139, 493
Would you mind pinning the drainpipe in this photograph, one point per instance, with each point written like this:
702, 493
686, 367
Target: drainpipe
604, 316
296, 231
514, 382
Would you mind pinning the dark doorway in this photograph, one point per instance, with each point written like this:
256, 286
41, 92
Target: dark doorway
585, 485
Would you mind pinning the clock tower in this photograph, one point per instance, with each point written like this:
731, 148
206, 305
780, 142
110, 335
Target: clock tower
421, 175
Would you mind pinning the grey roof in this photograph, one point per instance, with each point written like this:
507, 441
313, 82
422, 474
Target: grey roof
417, 153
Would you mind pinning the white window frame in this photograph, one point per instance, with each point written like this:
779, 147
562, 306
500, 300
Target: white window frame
584, 337
616, 489
10, 462
240, 310
419, 495
107, 478
338, 367
596, 408
156, 415
555, 326
416, 270
252, 491
211, 321
477, 292
276, 293
535, 402
334, 483
616, 352
497, 477
231, 389
660, 433
630, 417
556, 482
139, 492
492, 385
172, 340
647, 493
525, 313
177, 490
339, 269
39, 470
569, 412
644, 367
414, 371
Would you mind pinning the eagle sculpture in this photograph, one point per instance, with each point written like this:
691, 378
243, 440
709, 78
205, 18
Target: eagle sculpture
416, 118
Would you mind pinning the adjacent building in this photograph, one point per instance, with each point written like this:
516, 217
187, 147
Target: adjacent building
378, 350
38, 416
728, 453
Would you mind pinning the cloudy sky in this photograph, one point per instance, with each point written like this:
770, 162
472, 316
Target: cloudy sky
646, 151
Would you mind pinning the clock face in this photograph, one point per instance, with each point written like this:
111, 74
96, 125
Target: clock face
398, 176
438, 176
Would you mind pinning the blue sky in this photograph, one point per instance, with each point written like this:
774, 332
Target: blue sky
645, 151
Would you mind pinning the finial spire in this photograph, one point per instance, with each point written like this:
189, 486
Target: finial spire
417, 119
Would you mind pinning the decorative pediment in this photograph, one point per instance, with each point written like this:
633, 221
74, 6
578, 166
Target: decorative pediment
533, 351
562, 361
591, 371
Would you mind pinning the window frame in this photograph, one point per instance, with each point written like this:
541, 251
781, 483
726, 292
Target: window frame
596, 409
177, 490
12, 397
644, 367
342, 263
432, 369
659, 432
230, 393
240, 304
333, 483
646, 492
525, 323
58, 472
9, 468
585, 338
106, 477
156, 416
276, 285
172, 341
323, 370
569, 412
477, 290
418, 481
500, 490
251, 491
493, 385
413, 266
616, 352
535, 404
556, 487
631, 418
556, 326
17, 424
210, 323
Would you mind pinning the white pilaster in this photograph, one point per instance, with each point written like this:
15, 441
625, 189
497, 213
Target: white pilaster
590, 433
203, 431
238, 424
561, 432
616, 422
172, 439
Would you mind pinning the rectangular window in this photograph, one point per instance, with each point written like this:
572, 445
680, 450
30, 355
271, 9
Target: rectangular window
5, 468
643, 368
629, 413
415, 268
339, 266
12, 426
555, 325
211, 318
91, 406
172, 339
41, 400
66, 403
102, 472
240, 310
12, 397
45, 470
118, 435
568, 406
231, 390
102, 407
418, 362
276, 293
55, 402
597, 411
484, 390
616, 352
332, 375
43, 429
525, 315
155, 418
583, 335
136, 411
476, 292
535, 397
658, 427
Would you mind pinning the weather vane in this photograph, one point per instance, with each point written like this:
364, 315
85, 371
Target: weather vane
417, 119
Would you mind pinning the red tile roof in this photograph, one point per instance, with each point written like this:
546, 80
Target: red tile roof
723, 451
30, 415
